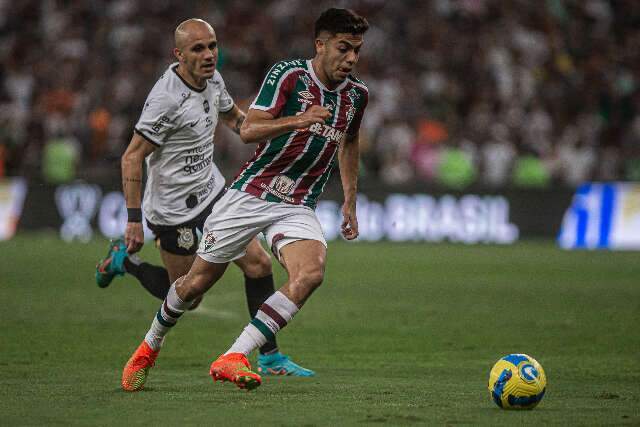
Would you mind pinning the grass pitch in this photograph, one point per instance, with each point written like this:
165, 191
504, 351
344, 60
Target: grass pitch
398, 334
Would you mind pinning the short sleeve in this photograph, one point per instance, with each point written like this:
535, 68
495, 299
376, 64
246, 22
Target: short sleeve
276, 87
225, 102
361, 105
158, 118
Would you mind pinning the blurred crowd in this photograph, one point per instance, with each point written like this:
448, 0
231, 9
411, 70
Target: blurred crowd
462, 92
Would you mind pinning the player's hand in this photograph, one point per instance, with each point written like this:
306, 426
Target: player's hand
349, 226
315, 114
134, 237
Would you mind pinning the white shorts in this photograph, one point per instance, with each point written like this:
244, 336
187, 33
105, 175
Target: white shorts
238, 217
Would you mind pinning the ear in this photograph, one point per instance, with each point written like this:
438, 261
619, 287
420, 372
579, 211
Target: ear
177, 54
321, 45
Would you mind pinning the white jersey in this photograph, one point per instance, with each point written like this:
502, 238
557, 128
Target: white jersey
180, 121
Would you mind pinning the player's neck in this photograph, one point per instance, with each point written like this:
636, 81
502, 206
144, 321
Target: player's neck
321, 75
189, 78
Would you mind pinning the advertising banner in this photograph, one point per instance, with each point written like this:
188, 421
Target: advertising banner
12, 194
603, 216
81, 211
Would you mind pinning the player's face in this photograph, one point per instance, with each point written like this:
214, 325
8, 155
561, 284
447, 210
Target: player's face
339, 55
200, 53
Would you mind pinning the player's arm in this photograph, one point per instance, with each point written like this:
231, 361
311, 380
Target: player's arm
132, 167
261, 125
349, 158
233, 118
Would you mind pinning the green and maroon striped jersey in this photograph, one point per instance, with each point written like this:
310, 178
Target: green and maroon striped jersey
294, 167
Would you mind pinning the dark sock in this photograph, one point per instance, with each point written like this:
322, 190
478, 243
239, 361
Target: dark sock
153, 278
258, 290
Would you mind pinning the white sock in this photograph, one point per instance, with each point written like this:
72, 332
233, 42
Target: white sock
274, 314
166, 317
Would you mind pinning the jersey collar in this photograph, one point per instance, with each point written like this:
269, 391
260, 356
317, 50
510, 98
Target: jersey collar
174, 68
320, 84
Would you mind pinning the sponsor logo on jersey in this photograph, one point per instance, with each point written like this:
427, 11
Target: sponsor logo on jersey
157, 126
205, 105
185, 238
272, 77
283, 184
329, 132
208, 241
280, 187
351, 112
306, 94
353, 95
306, 81
330, 105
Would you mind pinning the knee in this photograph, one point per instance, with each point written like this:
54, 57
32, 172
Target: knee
260, 266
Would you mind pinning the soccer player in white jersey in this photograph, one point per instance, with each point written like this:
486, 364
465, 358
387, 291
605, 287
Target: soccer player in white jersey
307, 113
175, 135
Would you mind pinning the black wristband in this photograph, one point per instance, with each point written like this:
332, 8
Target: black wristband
134, 215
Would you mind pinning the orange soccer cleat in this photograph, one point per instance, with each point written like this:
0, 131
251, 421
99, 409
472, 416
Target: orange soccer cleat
137, 367
235, 367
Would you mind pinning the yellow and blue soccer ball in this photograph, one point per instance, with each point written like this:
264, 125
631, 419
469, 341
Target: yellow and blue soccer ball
517, 381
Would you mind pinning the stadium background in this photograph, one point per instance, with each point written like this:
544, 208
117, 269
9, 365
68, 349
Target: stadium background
506, 101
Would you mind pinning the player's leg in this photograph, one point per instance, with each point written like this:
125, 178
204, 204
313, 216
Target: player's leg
259, 286
304, 261
187, 289
154, 278
227, 233
296, 238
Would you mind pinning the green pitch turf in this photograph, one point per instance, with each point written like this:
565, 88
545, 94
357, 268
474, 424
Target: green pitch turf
399, 334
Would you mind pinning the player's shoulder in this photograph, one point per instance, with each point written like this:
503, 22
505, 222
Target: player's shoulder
216, 79
287, 64
358, 84
168, 88
285, 67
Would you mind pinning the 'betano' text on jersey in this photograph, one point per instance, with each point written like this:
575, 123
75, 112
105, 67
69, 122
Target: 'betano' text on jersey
294, 167
180, 120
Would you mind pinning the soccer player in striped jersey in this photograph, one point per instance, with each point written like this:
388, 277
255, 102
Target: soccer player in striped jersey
306, 115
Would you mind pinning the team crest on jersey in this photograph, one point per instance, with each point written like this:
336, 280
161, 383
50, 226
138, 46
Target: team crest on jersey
185, 238
208, 241
205, 105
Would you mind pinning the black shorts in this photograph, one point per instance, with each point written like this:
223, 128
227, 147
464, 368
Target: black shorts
182, 239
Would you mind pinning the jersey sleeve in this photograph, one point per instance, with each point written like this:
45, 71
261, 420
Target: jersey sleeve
363, 100
158, 119
276, 87
225, 102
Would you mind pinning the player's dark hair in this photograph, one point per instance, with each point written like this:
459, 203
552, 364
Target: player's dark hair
341, 21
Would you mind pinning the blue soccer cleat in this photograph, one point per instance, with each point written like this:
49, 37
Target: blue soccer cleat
113, 264
279, 364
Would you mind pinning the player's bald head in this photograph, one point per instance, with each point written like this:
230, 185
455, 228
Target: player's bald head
190, 30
